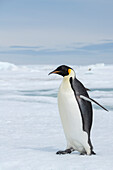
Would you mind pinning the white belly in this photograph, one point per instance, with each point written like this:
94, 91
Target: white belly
71, 118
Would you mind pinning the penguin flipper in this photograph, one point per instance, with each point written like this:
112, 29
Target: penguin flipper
91, 100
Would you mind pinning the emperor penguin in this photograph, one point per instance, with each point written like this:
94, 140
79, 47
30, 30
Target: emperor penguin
76, 112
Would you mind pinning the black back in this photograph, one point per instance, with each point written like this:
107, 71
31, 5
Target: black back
84, 106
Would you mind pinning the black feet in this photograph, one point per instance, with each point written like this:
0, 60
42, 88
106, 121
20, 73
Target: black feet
85, 153
67, 151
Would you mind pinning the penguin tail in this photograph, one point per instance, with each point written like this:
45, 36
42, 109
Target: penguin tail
93, 153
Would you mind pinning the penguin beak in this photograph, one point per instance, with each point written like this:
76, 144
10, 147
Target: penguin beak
55, 72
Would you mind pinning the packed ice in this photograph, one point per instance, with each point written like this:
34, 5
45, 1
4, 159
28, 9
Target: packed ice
30, 127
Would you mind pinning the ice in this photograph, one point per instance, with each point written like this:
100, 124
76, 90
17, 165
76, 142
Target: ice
7, 66
30, 127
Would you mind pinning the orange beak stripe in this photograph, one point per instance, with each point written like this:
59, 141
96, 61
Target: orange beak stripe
56, 72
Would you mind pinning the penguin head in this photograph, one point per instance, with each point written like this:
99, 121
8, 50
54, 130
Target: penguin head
62, 70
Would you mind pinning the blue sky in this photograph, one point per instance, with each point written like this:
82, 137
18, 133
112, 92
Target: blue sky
56, 31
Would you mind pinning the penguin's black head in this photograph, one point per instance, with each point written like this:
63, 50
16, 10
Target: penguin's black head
62, 70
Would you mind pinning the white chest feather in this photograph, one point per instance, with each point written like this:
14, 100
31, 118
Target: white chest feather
69, 109
70, 114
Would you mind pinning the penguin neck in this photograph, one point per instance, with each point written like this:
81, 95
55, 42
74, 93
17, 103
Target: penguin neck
66, 81
67, 78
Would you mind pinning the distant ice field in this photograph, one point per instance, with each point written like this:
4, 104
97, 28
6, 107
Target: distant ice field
30, 127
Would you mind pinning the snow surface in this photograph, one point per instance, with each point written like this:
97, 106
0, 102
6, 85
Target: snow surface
30, 126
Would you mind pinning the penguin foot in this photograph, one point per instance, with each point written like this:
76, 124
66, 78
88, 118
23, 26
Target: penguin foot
67, 151
85, 153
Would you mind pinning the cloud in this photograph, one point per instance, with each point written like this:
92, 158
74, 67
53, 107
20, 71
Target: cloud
99, 47
25, 47
73, 49
107, 40
83, 54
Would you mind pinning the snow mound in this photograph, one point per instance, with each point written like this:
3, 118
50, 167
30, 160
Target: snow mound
4, 66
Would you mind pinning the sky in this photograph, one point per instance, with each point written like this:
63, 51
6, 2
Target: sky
56, 31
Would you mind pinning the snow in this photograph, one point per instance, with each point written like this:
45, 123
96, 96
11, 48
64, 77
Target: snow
30, 127
7, 66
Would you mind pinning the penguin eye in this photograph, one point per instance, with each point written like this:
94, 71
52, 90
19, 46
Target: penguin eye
69, 71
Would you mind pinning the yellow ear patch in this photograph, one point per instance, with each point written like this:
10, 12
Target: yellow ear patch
69, 71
